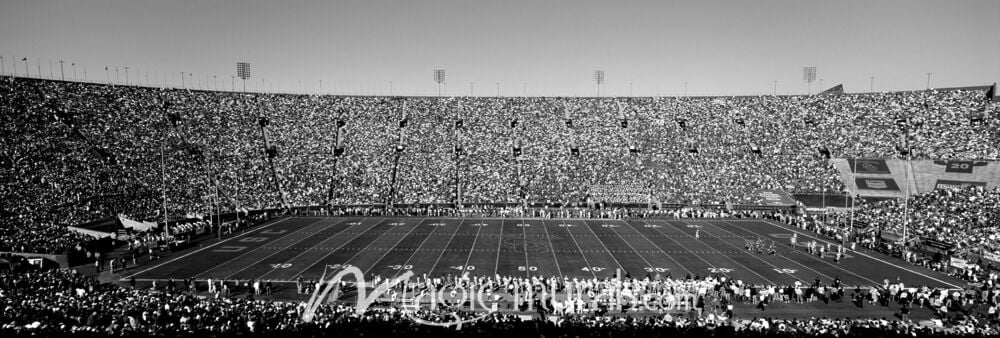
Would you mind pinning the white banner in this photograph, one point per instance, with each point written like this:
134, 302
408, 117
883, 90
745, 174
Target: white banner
135, 225
992, 256
958, 263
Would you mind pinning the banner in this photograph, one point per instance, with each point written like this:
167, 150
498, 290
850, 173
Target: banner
137, 226
868, 166
991, 256
88, 232
775, 197
887, 184
958, 263
892, 236
963, 167
937, 246
949, 184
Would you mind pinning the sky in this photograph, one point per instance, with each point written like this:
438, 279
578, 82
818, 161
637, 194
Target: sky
524, 47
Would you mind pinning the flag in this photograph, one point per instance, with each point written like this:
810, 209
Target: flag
105, 67
24, 59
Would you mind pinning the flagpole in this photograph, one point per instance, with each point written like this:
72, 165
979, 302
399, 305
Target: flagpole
25, 66
855, 181
163, 180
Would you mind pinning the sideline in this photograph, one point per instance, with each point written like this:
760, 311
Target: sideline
204, 248
804, 234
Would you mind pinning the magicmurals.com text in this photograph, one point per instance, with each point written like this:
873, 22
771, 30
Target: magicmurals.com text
482, 298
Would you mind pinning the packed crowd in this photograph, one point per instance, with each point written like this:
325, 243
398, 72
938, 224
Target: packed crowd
59, 302
80, 152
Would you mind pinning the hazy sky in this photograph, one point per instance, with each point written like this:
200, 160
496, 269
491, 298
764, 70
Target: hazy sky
717, 47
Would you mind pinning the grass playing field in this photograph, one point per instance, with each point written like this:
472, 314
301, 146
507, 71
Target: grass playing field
287, 248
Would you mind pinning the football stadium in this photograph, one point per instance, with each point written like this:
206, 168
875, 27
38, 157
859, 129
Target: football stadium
137, 202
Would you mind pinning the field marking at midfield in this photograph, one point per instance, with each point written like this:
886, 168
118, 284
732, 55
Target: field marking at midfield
747, 253
524, 247
272, 254
320, 260
587, 225
387, 251
657, 246
445, 249
686, 249
580, 250
866, 255
837, 267
207, 247
552, 248
641, 256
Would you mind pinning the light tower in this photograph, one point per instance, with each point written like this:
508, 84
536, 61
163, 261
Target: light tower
439, 78
243, 72
599, 79
809, 75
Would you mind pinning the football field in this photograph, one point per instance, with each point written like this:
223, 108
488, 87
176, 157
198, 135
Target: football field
285, 249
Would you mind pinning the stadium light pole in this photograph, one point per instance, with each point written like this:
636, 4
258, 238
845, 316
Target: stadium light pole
439, 78
74, 71
62, 74
809, 75
243, 72
126, 76
163, 179
598, 79
928, 81
854, 175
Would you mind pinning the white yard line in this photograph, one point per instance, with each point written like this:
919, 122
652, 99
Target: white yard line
209, 247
